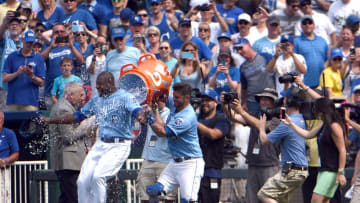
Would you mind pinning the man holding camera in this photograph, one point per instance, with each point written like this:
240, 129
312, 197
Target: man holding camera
212, 129
286, 61
262, 160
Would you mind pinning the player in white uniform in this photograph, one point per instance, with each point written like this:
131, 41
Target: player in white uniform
187, 166
115, 111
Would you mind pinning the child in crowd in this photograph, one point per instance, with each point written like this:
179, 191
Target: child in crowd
57, 91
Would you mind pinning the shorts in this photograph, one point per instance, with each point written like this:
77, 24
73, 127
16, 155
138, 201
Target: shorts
325, 184
280, 187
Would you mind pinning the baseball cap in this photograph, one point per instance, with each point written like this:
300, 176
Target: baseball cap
224, 35
117, 32
26, 5
336, 53
212, 94
225, 51
244, 16
287, 38
241, 41
126, 14
352, 20
273, 19
155, 2
267, 92
184, 21
306, 17
136, 20
29, 36
302, 2
195, 3
356, 88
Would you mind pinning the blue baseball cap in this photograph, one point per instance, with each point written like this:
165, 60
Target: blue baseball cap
211, 94
241, 41
126, 14
287, 38
118, 32
184, 21
136, 20
336, 53
225, 35
29, 36
155, 2
352, 20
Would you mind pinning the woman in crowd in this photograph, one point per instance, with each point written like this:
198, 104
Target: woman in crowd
166, 57
333, 74
153, 36
352, 73
332, 149
189, 69
204, 34
50, 13
346, 40
260, 30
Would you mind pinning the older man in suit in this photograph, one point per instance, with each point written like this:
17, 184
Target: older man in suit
67, 143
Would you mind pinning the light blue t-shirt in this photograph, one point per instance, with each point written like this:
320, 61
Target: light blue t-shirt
266, 47
183, 125
156, 148
59, 84
115, 60
114, 114
292, 145
222, 84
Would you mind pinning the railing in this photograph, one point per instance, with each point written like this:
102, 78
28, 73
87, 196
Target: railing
132, 164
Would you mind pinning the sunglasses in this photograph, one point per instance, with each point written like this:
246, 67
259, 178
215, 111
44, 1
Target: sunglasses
143, 15
203, 30
337, 59
40, 30
80, 33
243, 22
119, 39
189, 50
23, 20
307, 22
274, 24
59, 31
65, 1
163, 48
295, 6
152, 35
238, 48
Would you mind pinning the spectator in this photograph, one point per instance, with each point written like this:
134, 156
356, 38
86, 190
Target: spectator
287, 62
98, 11
24, 21
346, 40
205, 35
189, 70
9, 154
266, 46
340, 10
167, 23
136, 27
60, 82
273, 5
37, 47
50, 13
225, 77
323, 27
314, 49
40, 28
24, 70
288, 16
119, 16
121, 55
353, 22
259, 30
25, 9
332, 76
212, 129
95, 63
67, 150
144, 15
166, 57
252, 71
153, 36
8, 5
230, 12
352, 74
170, 8
139, 43
244, 25
263, 161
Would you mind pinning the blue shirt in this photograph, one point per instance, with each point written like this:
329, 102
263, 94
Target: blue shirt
156, 148
203, 49
22, 90
81, 16
171, 65
222, 84
114, 114
354, 136
53, 19
182, 127
166, 32
59, 84
315, 53
266, 47
97, 11
292, 145
230, 16
8, 143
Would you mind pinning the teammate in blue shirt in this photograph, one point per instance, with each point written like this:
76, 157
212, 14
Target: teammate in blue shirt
114, 111
187, 166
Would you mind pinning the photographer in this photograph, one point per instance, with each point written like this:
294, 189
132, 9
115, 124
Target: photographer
286, 61
262, 160
212, 129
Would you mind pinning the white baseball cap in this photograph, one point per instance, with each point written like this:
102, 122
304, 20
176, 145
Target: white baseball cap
244, 16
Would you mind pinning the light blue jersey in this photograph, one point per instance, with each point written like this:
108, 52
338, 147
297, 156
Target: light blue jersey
183, 125
114, 114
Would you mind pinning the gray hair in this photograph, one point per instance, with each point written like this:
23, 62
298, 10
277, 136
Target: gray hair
71, 88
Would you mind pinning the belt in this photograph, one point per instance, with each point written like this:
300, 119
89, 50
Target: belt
112, 139
181, 159
298, 167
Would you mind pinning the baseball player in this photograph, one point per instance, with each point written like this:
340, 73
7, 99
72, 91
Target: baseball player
187, 166
114, 111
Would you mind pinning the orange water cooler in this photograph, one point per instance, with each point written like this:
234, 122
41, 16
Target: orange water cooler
148, 81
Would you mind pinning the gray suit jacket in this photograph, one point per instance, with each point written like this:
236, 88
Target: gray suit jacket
67, 140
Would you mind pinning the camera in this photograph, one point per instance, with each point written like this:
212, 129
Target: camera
62, 39
283, 45
354, 112
229, 97
352, 51
203, 7
195, 99
270, 112
15, 14
288, 77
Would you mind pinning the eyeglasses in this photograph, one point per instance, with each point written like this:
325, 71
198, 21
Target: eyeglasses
31, 27
163, 48
80, 33
243, 22
40, 30
295, 6
65, 1
307, 22
152, 35
143, 15
337, 59
189, 50
274, 24
203, 30
23, 20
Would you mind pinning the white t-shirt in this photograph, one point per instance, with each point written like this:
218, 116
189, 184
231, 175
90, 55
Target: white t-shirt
215, 30
338, 12
99, 67
254, 32
249, 37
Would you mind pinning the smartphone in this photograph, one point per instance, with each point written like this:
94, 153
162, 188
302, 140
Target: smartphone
222, 62
187, 55
282, 112
60, 39
283, 45
352, 51
258, 10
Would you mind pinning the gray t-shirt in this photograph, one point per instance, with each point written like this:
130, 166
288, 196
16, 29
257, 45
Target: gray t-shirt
255, 78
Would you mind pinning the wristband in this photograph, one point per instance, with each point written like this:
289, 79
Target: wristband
341, 170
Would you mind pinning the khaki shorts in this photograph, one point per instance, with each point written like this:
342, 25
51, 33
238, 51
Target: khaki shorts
148, 175
280, 187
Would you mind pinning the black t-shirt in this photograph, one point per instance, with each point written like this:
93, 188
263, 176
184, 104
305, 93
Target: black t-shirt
329, 153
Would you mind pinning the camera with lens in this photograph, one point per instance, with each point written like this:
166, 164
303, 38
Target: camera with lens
283, 45
204, 7
354, 112
270, 112
229, 97
288, 77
